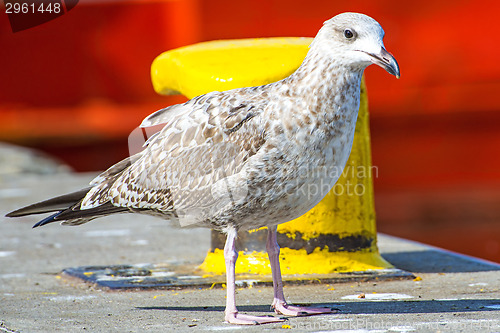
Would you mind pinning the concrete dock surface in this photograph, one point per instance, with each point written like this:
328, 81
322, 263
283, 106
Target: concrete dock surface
450, 292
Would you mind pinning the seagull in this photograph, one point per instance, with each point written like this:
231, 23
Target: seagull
244, 158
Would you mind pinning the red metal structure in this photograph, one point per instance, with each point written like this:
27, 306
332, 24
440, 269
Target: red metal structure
78, 85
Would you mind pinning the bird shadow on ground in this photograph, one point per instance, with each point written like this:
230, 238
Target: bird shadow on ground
438, 261
241, 308
366, 307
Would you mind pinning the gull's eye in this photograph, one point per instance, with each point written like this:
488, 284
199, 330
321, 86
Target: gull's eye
348, 33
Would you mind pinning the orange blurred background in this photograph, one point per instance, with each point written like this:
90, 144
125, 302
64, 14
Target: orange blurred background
76, 86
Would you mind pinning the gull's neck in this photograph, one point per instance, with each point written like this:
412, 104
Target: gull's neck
325, 82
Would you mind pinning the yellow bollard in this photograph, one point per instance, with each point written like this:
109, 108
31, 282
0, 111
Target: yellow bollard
339, 234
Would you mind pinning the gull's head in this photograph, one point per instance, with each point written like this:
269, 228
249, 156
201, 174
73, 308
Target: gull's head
355, 40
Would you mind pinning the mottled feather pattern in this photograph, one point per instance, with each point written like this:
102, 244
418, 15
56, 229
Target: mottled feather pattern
209, 146
206, 141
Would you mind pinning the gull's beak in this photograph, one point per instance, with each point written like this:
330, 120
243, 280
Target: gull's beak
387, 61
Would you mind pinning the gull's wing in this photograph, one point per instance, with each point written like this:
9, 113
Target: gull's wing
192, 167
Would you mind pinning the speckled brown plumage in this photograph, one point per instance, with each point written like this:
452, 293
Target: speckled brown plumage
245, 158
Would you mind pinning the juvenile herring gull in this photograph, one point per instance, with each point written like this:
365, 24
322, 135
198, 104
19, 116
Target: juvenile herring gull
244, 158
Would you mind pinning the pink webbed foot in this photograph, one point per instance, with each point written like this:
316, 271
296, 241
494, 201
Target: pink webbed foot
244, 319
296, 311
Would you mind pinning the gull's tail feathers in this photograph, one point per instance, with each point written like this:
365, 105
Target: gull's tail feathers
67, 208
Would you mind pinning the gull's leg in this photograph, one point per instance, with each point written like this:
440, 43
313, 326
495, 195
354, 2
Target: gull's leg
279, 304
232, 316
